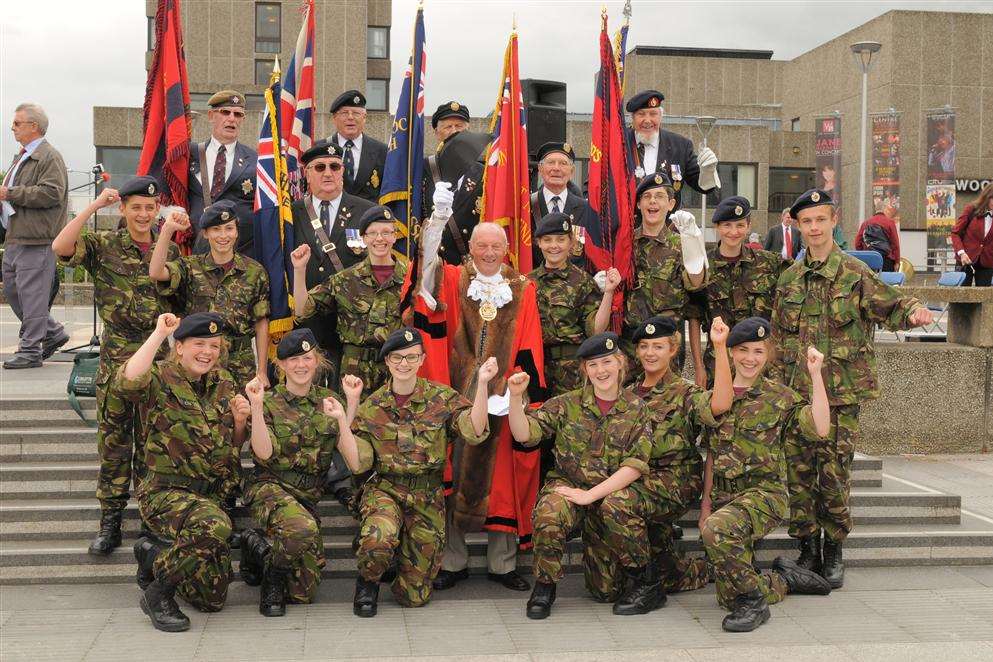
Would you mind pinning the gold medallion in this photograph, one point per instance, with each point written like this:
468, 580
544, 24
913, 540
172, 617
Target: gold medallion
487, 311
374, 179
246, 186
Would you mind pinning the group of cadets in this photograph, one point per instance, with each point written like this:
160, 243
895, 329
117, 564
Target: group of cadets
628, 445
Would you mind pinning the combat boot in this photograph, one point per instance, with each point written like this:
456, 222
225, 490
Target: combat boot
146, 550
158, 602
366, 598
272, 597
109, 537
541, 601
644, 592
255, 550
834, 568
810, 552
800, 580
750, 611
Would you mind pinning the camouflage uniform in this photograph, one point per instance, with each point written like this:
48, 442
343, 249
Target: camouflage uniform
675, 477
738, 289
129, 306
834, 306
285, 489
366, 312
589, 448
240, 295
189, 452
568, 300
403, 504
749, 495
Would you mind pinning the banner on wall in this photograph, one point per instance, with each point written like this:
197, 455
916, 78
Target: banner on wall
939, 203
885, 160
827, 159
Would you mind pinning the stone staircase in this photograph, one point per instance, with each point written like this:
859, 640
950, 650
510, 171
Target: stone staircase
48, 468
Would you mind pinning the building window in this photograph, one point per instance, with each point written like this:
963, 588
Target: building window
267, 27
120, 162
736, 179
263, 70
151, 33
785, 184
795, 124
377, 93
378, 43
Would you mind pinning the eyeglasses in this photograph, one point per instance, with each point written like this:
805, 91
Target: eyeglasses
350, 113
321, 167
385, 234
20, 122
409, 359
227, 112
660, 195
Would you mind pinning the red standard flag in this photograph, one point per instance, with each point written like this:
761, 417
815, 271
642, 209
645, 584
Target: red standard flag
506, 185
165, 150
611, 188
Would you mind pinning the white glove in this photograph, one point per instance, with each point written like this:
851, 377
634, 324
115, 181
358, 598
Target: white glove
600, 278
443, 199
707, 161
691, 238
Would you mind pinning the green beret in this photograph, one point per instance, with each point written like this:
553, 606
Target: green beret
200, 325
376, 214
553, 223
295, 343
733, 208
653, 180
226, 98
602, 344
402, 338
815, 197
348, 98
749, 330
657, 326
219, 213
143, 186
321, 148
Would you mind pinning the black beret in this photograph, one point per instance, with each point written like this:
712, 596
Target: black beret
646, 99
376, 214
450, 109
733, 208
815, 197
226, 98
295, 343
562, 148
602, 344
199, 325
219, 213
320, 149
402, 338
553, 223
144, 185
350, 98
657, 326
749, 330
653, 180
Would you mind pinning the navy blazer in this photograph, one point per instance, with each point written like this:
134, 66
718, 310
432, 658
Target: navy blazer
576, 206
369, 169
676, 159
239, 188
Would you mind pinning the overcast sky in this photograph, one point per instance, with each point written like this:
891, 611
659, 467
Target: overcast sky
70, 55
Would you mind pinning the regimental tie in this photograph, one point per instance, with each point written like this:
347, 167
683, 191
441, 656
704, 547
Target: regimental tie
349, 162
555, 204
326, 215
217, 179
641, 154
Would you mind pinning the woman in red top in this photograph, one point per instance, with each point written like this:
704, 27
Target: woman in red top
972, 239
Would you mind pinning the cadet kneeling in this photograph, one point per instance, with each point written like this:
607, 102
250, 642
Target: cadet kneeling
745, 495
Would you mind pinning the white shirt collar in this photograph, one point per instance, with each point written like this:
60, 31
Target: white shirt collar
214, 143
332, 208
33, 145
495, 279
549, 195
357, 141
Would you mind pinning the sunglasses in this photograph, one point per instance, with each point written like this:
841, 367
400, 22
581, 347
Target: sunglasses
227, 112
321, 167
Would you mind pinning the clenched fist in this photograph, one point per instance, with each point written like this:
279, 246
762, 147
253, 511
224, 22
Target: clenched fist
176, 221
333, 409
240, 408
719, 332
518, 383
815, 360
166, 324
255, 391
351, 386
300, 256
488, 370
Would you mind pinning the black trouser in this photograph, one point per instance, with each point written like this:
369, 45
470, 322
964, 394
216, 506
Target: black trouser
888, 264
978, 276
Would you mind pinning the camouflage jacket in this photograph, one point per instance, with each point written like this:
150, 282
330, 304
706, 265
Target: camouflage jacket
189, 425
413, 439
126, 297
366, 311
303, 439
590, 446
673, 404
661, 281
749, 439
567, 303
742, 288
834, 305
240, 295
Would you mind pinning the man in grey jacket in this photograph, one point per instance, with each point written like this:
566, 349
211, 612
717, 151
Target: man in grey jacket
33, 203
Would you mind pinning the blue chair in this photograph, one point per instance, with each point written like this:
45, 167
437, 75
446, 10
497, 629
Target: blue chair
895, 278
872, 259
940, 309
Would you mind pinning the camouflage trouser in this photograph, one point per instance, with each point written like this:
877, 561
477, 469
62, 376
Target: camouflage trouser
562, 376
294, 534
729, 537
403, 520
120, 444
199, 561
666, 495
614, 536
820, 477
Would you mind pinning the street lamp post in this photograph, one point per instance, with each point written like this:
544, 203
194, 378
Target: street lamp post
704, 125
863, 51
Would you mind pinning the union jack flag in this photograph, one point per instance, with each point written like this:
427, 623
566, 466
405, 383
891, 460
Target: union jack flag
296, 102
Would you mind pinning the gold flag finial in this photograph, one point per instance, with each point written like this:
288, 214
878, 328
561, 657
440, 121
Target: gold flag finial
627, 11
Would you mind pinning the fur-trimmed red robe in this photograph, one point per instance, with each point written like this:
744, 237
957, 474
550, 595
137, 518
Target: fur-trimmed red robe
497, 481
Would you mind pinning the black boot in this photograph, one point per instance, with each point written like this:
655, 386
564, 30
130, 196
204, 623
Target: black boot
541, 601
800, 580
255, 551
644, 592
834, 568
158, 602
749, 612
272, 597
145, 551
366, 598
109, 537
810, 552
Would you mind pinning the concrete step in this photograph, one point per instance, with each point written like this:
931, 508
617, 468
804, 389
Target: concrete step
43, 418
59, 403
